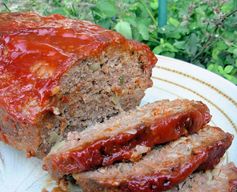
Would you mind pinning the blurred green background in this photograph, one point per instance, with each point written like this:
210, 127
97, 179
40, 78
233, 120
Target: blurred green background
203, 32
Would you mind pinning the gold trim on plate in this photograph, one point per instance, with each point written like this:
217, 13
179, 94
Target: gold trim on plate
209, 101
167, 91
200, 81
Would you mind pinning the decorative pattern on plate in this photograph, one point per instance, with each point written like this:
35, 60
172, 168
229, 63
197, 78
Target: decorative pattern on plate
172, 79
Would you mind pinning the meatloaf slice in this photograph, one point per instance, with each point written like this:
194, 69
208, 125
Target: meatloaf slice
221, 179
127, 136
59, 74
163, 167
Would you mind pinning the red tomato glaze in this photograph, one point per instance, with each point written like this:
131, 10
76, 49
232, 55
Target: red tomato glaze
203, 159
120, 148
36, 51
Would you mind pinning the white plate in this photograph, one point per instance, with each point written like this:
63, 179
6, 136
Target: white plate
172, 79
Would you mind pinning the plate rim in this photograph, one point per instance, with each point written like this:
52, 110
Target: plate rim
203, 82
197, 67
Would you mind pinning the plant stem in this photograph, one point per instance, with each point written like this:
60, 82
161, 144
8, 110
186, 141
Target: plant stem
6, 7
149, 12
212, 37
153, 39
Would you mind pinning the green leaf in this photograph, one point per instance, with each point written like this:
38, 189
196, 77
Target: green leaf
61, 11
157, 50
162, 41
170, 32
220, 69
107, 7
106, 23
215, 53
235, 51
179, 44
221, 45
169, 47
192, 44
227, 7
200, 11
168, 54
124, 28
154, 5
230, 78
228, 68
173, 22
229, 59
131, 19
143, 30
211, 67
136, 35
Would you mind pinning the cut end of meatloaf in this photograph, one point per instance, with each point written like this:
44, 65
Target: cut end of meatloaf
126, 137
162, 168
58, 75
94, 91
222, 178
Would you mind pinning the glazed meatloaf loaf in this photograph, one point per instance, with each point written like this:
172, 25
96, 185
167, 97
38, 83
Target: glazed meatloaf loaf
58, 75
127, 136
162, 168
220, 179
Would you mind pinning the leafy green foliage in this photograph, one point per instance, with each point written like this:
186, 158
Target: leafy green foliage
124, 28
203, 32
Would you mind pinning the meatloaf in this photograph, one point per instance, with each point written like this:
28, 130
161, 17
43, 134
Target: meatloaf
221, 179
127, 136
163, 168
58, 75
